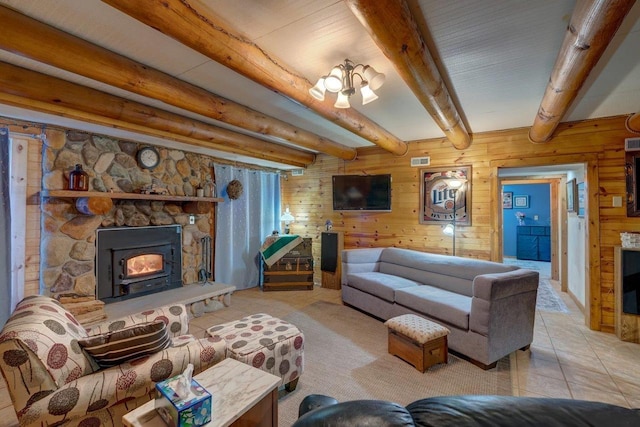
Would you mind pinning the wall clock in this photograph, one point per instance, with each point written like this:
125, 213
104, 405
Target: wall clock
148, 157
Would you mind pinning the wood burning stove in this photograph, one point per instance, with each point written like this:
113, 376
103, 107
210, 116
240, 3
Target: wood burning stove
135, 261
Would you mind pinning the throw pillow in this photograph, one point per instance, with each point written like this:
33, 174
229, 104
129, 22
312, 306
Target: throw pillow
114, 348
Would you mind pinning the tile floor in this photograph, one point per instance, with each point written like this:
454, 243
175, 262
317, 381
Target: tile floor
566, 359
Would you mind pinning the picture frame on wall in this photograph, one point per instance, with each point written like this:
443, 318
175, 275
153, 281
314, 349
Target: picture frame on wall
571, 195
581, 201
521, 202
437, 198
507, 200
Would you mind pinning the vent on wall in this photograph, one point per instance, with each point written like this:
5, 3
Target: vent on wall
420, 161
632, 144
297, 172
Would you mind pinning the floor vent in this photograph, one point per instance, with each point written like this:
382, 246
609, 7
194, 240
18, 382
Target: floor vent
423, 161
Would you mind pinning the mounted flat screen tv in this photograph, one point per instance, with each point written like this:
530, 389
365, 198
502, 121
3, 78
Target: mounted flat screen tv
362, 193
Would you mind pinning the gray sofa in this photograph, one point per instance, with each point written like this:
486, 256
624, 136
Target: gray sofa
488, 307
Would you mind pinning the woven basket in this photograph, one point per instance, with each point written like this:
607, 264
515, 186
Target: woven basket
234, 189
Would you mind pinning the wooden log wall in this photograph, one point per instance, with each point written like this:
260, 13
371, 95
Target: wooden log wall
597, 143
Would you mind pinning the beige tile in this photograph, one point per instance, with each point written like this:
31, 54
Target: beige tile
546, 386
536, 365
573, 345
526, 393
586, 392
541, 341
630, 390
588, 362
595, 380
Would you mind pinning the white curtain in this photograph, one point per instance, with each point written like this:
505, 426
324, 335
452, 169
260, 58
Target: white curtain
5, 229
244, 223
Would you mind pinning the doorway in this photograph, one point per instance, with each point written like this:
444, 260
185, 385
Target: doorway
574, 262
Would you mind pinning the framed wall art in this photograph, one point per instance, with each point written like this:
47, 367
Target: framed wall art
571, 196
581, 202
507, 200
521, 201
438, 199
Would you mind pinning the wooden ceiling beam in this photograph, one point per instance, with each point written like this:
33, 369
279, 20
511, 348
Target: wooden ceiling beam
391, 24
197, 26
633, 123
33, 39
591, 28
36, 91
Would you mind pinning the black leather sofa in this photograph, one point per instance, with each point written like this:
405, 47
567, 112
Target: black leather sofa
465, 411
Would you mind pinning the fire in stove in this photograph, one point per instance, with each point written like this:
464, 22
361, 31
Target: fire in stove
144, 264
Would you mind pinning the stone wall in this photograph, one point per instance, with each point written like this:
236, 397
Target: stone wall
68, 237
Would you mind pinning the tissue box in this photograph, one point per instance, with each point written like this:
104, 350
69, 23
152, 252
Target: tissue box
176, 412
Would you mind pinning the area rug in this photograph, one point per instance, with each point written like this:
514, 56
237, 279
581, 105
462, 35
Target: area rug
548, 299
346, 357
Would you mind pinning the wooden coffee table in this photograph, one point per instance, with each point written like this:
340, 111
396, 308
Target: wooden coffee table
241, 396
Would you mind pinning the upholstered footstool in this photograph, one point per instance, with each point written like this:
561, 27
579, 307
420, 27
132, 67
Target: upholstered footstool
266, 343
418, 341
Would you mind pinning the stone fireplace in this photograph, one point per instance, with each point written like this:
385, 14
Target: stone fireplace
69, 238
132, 262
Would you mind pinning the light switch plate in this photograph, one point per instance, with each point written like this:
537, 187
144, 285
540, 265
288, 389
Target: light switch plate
617, 201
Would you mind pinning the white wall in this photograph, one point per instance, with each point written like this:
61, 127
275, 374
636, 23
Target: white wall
576, 248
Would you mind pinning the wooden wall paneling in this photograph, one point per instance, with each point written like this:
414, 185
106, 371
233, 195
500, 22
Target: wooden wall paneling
18, 196
33, 234
599, 143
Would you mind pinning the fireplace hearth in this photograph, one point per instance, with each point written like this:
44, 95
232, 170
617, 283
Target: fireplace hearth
136, 261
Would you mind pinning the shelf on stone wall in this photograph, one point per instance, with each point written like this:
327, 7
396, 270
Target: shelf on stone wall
130, 196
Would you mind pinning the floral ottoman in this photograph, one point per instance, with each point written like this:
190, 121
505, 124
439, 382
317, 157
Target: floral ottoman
266, 343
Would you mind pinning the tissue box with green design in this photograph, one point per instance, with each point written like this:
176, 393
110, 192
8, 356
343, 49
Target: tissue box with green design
178, 412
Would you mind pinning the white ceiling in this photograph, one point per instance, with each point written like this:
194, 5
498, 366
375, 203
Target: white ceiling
496, 56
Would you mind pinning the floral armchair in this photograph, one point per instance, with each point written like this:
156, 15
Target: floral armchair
52, 380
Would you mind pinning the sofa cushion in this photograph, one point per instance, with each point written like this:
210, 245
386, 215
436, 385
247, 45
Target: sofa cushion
380, 284
114, 348
437, 303
451, 273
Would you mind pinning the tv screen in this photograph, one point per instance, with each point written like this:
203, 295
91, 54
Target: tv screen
362, 192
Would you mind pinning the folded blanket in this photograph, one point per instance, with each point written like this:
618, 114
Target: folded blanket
275, 247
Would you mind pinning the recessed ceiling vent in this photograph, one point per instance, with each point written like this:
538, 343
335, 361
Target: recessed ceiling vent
300, 172
632, 144
423, 161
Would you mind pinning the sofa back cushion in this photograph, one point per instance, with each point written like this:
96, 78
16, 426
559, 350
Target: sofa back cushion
44, 326
360, 261
454, 274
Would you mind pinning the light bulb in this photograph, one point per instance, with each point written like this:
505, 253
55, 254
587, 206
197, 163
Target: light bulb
375, 79
318, 90
368, 95
333, 82
342, 101
449, 229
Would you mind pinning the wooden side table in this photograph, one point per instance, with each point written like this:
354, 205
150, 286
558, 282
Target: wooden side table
241, 396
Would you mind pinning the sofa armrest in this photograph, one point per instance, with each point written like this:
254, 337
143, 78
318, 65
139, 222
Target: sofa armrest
175, 316
503, 308
360, 261
127, 381
501, 285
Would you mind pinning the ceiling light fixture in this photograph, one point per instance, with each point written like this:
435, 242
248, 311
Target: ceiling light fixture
340, 81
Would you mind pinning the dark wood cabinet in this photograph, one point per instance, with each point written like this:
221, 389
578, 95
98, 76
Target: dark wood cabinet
534, 242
